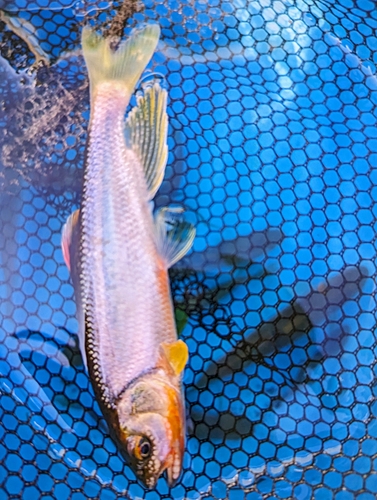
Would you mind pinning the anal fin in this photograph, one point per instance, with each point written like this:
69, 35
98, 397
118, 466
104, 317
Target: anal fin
146, 134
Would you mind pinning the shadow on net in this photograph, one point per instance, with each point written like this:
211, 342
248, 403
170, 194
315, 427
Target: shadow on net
54, 367
247, 377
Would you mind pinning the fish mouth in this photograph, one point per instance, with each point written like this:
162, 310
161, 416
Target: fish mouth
172, 475
169, 476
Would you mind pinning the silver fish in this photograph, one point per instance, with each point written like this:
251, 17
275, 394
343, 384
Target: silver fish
119, 254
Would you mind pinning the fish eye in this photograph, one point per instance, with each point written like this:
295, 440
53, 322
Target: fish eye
144, 448
140, 447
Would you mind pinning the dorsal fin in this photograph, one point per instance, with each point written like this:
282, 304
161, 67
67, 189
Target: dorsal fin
67, 233
146, 134
70, 248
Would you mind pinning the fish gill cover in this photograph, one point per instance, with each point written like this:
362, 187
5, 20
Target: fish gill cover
273, 153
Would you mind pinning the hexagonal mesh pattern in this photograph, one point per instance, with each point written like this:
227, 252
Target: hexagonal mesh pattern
273, 153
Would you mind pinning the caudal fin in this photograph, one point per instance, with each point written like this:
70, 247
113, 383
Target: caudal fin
124, 65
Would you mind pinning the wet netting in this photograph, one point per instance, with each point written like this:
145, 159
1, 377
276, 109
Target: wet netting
273, 154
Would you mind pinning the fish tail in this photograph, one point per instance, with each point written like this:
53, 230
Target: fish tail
124, 65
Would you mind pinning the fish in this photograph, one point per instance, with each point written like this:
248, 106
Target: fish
118, 252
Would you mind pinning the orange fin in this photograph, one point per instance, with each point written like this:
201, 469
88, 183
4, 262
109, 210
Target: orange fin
177, 355
67, 236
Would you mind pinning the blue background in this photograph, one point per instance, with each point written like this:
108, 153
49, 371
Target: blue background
273, 153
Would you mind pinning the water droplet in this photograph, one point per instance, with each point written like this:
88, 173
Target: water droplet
150, 78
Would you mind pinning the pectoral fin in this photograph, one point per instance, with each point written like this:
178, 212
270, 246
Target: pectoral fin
146, 134
177, 355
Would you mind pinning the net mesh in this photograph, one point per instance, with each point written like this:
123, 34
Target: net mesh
273, 153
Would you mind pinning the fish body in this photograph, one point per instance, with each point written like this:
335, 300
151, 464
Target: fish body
119, 255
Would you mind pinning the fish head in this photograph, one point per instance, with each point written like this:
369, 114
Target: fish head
151, 418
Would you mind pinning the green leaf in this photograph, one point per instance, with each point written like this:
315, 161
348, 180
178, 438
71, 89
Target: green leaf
181, 319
